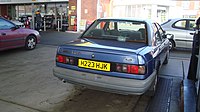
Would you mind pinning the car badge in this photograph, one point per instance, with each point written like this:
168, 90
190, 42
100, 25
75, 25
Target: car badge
75, 52
128, 59
92, 56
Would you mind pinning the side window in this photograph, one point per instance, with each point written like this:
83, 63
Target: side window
180, 24
192, 25
157, 34
161, 32
157, 38
4, 25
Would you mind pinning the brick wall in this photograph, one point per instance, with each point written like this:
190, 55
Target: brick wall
89, 10
3, 10
72, 13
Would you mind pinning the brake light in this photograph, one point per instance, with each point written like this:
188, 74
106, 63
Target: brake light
65, 59
131, 69
60, 59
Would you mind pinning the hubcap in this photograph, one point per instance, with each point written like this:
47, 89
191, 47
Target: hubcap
31, 43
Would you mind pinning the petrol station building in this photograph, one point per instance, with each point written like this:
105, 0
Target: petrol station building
78, 13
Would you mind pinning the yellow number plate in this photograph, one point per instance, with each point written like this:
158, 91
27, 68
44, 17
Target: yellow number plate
94, 65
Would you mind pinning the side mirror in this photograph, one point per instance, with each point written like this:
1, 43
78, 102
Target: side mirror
17, 27
14, 28
169, 36
164, 36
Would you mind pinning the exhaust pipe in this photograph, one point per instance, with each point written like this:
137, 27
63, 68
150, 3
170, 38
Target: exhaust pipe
63, 80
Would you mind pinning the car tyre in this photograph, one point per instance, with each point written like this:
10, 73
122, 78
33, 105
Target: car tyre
171, 44
152, 90
30, 42
166, 59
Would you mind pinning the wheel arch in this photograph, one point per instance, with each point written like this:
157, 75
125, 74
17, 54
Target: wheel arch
173, 42
32, 35
157, 66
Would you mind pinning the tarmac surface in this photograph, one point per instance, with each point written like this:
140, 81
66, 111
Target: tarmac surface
28, 85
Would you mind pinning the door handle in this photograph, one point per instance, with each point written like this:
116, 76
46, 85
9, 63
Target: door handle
3, 33
191, 33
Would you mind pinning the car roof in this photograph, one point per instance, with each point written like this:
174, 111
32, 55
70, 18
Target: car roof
129, 19
183, 18
3, 18
171, 21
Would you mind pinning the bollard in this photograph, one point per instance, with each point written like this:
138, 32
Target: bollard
58, 26
44, 25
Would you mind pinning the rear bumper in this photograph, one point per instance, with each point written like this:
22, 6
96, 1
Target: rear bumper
105, 83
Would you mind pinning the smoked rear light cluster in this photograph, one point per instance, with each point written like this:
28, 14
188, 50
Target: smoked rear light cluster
131, 69
65, 59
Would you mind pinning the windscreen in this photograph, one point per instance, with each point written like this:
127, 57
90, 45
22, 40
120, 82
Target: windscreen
125, 31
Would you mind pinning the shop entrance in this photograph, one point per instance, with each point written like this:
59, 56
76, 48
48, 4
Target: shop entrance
54, 16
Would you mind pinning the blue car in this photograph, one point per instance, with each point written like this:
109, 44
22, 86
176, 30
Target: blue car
120, 55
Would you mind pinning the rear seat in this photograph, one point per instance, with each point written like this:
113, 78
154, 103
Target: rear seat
135, 35
97, 32
143, 32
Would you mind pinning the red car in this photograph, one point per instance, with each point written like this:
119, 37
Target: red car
13, 36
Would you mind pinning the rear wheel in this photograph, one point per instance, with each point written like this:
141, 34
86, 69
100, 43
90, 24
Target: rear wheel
30, 42
166, 59
152, 89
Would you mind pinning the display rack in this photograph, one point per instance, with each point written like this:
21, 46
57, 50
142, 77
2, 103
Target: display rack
49, 21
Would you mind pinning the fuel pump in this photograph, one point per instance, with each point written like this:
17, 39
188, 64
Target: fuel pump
194, 67
195, 51
198, 67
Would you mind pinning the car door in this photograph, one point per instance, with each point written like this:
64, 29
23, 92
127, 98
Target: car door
9, 35
180, 33
163, 47
156, 42
190, 33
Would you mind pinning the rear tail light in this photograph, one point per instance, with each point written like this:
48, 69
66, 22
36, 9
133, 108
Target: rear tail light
60, 59
131, 69
71, 61
65, 59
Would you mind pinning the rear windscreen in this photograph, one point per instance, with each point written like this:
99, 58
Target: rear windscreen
126, 31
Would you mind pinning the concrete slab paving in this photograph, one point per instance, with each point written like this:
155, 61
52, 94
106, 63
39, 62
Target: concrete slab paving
29, 86
175, 68
26, 78
98, 101
9, 107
